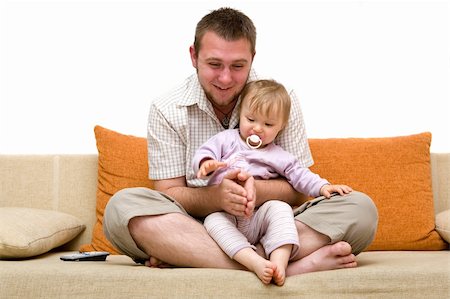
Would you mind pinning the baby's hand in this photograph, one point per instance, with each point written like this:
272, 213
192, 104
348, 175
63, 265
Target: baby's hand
209, 166
326, 190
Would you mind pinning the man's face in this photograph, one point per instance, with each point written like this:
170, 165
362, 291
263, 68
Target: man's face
222, 67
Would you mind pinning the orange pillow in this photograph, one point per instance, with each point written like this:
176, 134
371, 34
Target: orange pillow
122, 163
396, 173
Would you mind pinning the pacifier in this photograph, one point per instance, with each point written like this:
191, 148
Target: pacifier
253, 141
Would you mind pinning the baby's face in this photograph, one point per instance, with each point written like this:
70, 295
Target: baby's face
266, 127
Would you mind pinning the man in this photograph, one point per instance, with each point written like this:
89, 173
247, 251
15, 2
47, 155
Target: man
161, 226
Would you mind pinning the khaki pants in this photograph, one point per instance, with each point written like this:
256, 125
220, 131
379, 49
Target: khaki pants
352, 218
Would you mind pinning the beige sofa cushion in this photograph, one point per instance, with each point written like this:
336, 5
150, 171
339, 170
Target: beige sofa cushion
383, 274
27, 232
443, 224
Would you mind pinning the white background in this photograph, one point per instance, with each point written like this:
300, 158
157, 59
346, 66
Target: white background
360, 68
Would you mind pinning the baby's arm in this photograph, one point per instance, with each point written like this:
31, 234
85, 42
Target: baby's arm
207, 166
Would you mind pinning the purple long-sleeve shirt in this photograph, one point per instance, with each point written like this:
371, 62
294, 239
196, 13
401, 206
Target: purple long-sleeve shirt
265, 163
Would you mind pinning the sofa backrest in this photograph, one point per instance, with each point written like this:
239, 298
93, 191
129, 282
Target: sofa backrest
68, 183
65, 183
440, 171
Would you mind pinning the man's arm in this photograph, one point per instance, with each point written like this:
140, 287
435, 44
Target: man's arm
227, 196
278, 189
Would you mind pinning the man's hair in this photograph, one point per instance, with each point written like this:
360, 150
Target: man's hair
228, 23
267, 97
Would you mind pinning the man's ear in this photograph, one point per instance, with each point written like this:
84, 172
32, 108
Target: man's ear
194, 56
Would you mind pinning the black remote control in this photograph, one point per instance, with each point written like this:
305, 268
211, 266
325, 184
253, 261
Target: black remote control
86, 256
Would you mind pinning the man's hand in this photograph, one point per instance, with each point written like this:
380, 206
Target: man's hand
326, 190
238, 193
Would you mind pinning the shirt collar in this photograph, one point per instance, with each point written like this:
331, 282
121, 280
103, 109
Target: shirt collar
193, 92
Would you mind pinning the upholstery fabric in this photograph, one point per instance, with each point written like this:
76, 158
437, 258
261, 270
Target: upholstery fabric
384, 274
122, 163
443, 224
27, 232
394, 171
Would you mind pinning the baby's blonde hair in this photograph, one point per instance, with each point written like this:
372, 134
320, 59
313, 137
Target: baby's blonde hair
267, 97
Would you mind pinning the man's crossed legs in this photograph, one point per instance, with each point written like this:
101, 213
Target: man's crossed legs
331, 232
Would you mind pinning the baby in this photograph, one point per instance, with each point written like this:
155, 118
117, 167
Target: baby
264, 112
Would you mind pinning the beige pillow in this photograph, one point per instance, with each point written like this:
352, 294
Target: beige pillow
443, 224
26, 232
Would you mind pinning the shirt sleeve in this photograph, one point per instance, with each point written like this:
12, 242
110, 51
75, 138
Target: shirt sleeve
166, 147
293, 138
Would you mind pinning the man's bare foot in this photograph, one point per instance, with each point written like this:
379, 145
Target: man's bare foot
329, 257
153, 262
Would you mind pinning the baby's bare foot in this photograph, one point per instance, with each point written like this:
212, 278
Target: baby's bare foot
264, 269
279, 276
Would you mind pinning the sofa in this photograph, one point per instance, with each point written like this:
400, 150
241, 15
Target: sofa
49, 206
